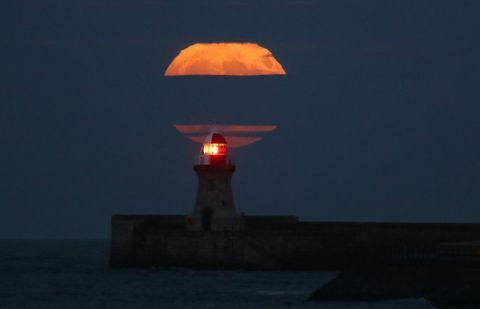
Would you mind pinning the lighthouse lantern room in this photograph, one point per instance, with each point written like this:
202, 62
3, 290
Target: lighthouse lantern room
214, 150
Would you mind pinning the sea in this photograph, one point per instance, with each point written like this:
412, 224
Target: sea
75, 274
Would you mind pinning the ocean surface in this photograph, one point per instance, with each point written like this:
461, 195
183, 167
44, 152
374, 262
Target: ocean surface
75, 274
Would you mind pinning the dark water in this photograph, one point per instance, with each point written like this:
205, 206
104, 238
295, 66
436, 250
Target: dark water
75, 274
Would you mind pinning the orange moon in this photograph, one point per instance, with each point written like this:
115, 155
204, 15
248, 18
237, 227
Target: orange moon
236, 59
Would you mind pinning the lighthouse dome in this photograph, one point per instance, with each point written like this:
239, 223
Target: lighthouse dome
215, 138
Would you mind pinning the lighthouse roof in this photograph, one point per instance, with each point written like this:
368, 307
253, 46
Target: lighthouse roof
215, 138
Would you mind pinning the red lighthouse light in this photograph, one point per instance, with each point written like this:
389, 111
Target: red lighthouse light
215, 149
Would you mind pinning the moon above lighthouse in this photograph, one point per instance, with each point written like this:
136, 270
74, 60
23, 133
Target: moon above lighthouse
234, 59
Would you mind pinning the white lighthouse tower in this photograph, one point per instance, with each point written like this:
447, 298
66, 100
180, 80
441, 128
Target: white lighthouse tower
214, 205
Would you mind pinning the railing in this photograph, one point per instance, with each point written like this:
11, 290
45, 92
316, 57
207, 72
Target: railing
205, 160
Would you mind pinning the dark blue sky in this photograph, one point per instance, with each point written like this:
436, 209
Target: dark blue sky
379, 116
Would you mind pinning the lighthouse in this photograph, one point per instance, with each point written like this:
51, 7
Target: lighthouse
214, 208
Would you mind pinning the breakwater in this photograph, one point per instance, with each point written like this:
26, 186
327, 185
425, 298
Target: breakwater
285, 243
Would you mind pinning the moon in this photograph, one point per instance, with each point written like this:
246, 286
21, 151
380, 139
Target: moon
235, 59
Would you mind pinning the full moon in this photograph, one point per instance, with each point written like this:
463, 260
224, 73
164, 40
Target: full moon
235, 59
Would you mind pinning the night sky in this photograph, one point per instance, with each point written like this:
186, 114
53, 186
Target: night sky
378, 118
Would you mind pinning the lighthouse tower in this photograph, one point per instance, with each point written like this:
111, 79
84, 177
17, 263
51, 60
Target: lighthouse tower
214, 206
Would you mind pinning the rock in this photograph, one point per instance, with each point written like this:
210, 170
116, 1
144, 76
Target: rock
445, 288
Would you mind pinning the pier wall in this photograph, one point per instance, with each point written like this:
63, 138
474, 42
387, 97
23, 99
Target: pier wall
284, 243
